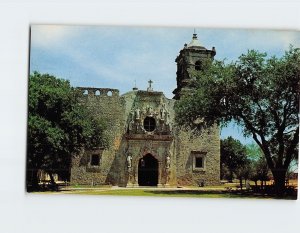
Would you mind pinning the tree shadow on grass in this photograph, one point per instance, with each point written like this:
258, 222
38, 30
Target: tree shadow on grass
221, 193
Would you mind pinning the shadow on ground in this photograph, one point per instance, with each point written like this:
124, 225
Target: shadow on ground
222, 193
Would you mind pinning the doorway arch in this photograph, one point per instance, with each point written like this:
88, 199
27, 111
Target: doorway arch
148, 171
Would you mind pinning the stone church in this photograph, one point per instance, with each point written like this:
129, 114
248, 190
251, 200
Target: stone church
147, 147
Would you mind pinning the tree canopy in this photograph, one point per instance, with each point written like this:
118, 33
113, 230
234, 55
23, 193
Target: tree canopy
58, 126
233, 157
259, 166
260, 94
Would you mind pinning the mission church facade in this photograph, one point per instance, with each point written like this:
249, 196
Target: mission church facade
146, 147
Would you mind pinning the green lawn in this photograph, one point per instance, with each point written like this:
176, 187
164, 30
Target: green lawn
142, 192
168, 193
228, 190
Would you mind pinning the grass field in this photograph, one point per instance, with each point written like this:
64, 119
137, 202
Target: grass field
158, 193
171, 193
227, 190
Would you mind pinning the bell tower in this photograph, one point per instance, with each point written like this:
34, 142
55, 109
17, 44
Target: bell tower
190, 60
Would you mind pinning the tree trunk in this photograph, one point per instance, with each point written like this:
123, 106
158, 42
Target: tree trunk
279, 179
52, 178
33, 179
241, 183
230, 177
53, 184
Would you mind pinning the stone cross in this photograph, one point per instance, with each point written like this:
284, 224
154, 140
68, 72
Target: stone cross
150, 87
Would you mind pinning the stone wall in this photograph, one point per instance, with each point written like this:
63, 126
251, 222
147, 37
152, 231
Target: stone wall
186, 145
179, 144
109, 106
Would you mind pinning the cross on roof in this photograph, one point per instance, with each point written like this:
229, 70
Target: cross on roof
150, 87
195, 34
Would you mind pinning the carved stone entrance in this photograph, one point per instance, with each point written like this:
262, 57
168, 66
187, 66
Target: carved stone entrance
148, 171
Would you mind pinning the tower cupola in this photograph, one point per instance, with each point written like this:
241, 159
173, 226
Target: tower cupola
195, 43
189, 61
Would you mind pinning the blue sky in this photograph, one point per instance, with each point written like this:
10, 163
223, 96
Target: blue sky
116, 57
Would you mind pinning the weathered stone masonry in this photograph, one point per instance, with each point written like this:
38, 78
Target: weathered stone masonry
146, 147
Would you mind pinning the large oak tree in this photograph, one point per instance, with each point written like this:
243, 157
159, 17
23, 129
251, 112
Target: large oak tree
260, 94
58, 127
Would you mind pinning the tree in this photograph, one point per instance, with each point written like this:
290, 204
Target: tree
234, 158
258, 93
58, 127
260, 169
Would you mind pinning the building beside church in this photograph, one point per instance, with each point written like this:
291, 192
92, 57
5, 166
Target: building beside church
147, 147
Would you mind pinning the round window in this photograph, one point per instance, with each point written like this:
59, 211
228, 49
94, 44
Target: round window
149, 124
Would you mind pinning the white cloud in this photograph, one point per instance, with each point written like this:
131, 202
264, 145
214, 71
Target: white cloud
47, 36
120, 55
274, 39
290, 37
